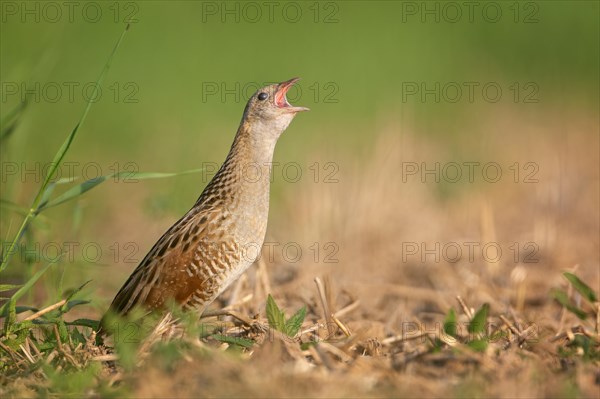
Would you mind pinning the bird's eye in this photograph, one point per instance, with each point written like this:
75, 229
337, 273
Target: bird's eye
263, 96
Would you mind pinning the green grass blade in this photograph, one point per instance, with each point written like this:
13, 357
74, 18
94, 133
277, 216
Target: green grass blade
11, 206
156, 175
46, 196
74, 192
82, 188
8, 287
581, 287
69, 140
26, 287
13, 116
59, 157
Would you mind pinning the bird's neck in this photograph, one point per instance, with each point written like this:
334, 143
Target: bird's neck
254, 143
246, 172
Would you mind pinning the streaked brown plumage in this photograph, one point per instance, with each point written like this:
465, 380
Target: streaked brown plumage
221, 235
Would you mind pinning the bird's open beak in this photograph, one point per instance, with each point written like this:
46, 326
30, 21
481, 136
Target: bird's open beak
280, 99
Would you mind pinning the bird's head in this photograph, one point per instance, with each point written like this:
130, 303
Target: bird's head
269, 108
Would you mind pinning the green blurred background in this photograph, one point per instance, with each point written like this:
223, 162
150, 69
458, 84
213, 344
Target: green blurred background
356, 59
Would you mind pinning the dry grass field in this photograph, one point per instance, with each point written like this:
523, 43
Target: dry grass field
393, 260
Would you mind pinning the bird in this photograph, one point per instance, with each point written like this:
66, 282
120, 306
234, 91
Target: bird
212, 245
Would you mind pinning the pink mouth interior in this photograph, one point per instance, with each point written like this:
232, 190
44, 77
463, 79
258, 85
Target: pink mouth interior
280, 99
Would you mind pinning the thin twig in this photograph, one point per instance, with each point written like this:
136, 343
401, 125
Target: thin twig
9, 351
464, 306
27, 354
597, 319
46, 310
347, 309
510, 326
264, 276
341, 325
235, 292
232, 313
312, 328
403, 338
58, 341
335, 351
325, 304
105, 358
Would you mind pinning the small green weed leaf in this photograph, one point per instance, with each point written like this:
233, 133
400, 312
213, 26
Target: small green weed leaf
479, 345
71, 304
450, 323
581, 287
63, 331
12, 315
562, 298
275, 316
294, 323
477, 324
306, 345
437, 345
18, 332
77, 336
589, 347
